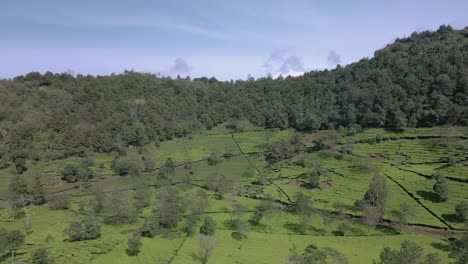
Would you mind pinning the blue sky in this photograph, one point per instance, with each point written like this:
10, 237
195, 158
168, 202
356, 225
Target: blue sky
225, 39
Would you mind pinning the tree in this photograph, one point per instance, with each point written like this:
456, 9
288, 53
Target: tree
409, 252
303, 207
70, 172
20, 165
120, 209
403, 215
134, 244
38, 195
149, 162
371, 217
441, 186
209, 227
142, 197
86, 228
18, 195
74, 231
207, 245
91, 228
458, 249
257, 216
377, 194
313, 179
41, 256
12, 240
214, 158
169, 208
462, 211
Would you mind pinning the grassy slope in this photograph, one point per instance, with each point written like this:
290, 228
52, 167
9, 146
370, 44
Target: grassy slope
348, 177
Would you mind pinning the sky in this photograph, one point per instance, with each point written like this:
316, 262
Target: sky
224, 39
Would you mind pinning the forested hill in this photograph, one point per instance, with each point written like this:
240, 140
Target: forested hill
417, 81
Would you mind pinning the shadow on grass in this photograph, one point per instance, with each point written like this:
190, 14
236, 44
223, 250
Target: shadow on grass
440, 246
387, 230
451, 218
296, 228
428, 196
195, 257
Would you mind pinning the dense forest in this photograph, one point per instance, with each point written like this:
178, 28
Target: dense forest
418, 81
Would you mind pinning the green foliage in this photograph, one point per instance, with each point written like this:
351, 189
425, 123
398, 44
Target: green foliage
458, 249
38, 194
59, 201
214, 158
41, 256
209, 227
405, 84
410, 252
128, 164
73, 172
313, 254
441, 187
120, 209
86, 228
377, 194
10, 241
462, 211
134, 245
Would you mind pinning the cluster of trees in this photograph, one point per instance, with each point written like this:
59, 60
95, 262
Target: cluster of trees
417, 81
409, 252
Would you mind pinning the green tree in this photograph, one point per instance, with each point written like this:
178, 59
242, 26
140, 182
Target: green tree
209, 227
377, 194
441, 187
41, 256
12, 240
18, 194
409, 252
206, 245
370, 217
462, 211
128, 164
403, 215
458, 249
38, 195
134, 244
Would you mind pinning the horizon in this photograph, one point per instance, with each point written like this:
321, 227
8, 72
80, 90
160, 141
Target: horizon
225, 41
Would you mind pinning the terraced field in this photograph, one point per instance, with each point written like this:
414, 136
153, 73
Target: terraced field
406, 159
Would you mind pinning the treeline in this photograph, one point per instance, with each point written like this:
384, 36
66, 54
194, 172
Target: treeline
418, 81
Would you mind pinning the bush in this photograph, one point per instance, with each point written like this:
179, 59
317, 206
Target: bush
238, 236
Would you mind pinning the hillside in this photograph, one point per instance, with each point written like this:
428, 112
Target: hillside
419, 81
361, 164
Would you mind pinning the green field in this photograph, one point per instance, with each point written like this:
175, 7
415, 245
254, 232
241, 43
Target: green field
406, 159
